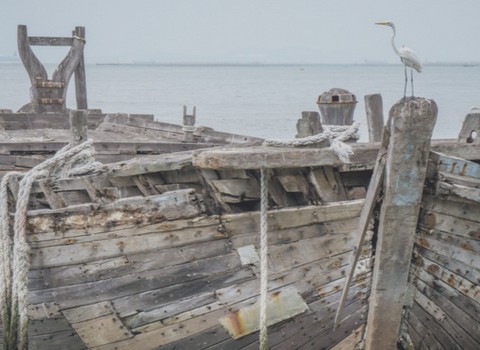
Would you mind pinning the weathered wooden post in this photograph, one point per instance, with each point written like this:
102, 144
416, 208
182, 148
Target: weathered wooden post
78, 126
411, 126
470, 132
80, 78
374, 111
309, 124
188, 124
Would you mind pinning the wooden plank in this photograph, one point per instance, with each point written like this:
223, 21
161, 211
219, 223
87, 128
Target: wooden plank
467, 257
150, 164
256, 157
352, 340
411, 127
48, 188
428, 338
460, 268
49, 41
237, 190
102, 330
118, 220
450, 285
80, 79
374, 112
327, 183
433, 325
213, 199
457, 210
456, 323
371, 200
281, 305
56, 340
456, 166
444, 188
88, 312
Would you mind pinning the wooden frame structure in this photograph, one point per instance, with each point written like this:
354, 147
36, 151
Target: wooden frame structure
49, 95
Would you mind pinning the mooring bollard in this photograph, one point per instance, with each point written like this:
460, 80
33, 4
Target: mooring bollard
411, 124
337, 106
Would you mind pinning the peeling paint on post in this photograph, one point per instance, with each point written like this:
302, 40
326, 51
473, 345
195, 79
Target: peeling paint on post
411, 126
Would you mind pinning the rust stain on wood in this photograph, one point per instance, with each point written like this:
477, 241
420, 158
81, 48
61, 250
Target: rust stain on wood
430, 220
423, 242
433, 269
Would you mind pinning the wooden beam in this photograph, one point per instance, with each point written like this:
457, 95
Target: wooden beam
411, 127
371, 200
49, 41
257, 157
374, 111
80, 77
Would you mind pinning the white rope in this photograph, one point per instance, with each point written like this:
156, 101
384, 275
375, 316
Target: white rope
335, 134
15, 262
5, 246
263, 258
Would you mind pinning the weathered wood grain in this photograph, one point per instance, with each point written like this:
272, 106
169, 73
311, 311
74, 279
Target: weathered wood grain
374, 113
274, 157
470, 130
411, 128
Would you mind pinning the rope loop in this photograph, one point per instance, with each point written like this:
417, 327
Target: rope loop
335, 134
14, 262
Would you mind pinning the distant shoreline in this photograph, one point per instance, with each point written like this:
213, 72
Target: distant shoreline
258, 64
255, 64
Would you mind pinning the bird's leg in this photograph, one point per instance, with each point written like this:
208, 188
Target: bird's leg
411, 79
405, 87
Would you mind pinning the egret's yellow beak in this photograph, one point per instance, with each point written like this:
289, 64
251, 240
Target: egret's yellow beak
382, 23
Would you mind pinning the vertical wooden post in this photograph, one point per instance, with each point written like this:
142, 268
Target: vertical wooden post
188, 124
411, 126
78, 126
374, 110
309, 124
470, 132
80, 78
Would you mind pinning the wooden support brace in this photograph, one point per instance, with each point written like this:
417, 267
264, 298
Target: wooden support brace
411, 125
371, 199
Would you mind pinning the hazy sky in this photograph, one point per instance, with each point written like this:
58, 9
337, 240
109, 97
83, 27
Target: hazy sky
270, 31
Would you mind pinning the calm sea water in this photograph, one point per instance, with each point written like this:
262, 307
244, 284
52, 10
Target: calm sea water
257, 100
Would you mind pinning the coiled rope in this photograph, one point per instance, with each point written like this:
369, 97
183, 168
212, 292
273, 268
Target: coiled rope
70, 160
336, 135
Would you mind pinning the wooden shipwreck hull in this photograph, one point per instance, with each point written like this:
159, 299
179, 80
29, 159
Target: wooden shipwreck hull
154, 243
161, 250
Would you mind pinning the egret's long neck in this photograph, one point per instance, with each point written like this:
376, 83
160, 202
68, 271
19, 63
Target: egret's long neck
393, 41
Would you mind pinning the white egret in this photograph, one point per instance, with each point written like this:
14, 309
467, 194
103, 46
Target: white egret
407, 56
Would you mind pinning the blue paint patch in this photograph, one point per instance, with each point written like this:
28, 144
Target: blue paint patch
405, 191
